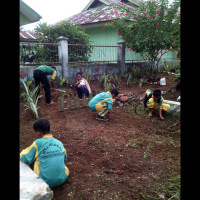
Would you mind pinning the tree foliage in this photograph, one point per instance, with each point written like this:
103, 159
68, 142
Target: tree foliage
75, 35
151, 29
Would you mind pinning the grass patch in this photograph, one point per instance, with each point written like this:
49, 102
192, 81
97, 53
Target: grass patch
170, 190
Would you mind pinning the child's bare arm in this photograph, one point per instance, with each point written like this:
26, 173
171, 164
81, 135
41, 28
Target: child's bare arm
142, 97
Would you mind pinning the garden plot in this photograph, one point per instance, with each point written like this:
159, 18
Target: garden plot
130, 157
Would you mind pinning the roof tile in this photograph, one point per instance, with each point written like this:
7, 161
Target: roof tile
89, 16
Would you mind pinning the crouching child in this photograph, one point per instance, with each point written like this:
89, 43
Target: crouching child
102, 104
47, 155
154, 101
82, 86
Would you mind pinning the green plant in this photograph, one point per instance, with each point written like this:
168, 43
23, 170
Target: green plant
29, 83
97, 175
172, 188
154, 28
109, 179
171, 67
136, 72
100, 81
106, 84
111, 78
128, 77
97, 191
130, 143
75, 34
169, 191
62, 93
88, 78
62, 81
167, 67
117, 80
23, 95
31, 99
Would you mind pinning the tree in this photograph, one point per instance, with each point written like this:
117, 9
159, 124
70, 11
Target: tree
75, 35
151, 29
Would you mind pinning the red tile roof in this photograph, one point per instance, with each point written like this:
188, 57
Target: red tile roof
99, 14
28, 35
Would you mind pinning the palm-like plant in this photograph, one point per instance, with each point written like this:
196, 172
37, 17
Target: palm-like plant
31, 99
128, 77
106, 83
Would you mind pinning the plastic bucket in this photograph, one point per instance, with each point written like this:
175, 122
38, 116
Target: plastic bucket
162, 81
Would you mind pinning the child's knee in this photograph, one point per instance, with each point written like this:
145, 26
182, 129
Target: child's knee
150, 104
166, 107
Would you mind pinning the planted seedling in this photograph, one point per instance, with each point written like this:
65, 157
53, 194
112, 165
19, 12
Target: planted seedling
62, 93
117, 80
106, 84
88, 77
128, 77
31, 99
100, 81
62, 81
61, 100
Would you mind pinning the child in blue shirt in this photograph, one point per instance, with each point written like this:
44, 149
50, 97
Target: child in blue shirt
47, 154
102, 104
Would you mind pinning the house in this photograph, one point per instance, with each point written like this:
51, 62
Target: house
94, 24
28, 50
28, 36
27, 14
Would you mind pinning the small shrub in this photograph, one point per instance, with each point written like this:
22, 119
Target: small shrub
31, 99
88, 78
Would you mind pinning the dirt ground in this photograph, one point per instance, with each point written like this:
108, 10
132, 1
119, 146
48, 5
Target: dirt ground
130, 157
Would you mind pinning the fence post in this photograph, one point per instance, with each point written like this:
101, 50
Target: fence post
63, 55
121, 56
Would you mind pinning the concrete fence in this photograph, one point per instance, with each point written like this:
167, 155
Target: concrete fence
68, 72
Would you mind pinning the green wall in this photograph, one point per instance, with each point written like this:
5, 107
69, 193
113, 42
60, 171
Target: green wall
101, 36
108, 36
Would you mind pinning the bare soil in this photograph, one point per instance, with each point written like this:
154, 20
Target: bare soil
130, 157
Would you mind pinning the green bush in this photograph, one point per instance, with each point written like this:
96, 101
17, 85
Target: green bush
31, 99
75, 34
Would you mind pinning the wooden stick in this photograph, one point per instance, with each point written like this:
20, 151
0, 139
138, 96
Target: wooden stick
174, 125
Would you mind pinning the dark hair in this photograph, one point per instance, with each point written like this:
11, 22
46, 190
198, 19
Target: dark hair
42, 125
53, 67
114, 91
156, 93
79, 73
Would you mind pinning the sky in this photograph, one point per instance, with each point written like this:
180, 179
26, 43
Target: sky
53, 11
